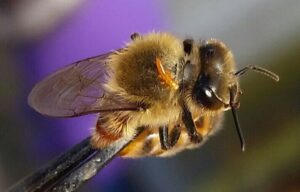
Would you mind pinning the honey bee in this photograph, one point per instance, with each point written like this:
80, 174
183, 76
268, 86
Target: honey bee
166, 93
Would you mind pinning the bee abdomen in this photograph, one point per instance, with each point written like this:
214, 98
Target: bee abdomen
108, 129
148, 142
141, 146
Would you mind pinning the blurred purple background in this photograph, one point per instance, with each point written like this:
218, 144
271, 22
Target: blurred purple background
39, 36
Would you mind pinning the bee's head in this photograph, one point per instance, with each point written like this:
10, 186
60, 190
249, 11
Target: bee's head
215, 74
216, 86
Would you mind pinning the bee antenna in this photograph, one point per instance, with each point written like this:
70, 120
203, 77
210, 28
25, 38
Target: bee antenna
259, 70
234, 105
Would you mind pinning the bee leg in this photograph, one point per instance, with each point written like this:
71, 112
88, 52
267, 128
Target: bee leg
174, 136
164, 137
133, 36
190, 126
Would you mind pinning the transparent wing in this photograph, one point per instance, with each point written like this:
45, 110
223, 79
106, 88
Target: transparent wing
76, 90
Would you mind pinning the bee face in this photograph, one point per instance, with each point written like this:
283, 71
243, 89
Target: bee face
211, 88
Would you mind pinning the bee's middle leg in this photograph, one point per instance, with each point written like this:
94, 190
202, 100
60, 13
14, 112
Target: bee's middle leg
167, 141
188, 121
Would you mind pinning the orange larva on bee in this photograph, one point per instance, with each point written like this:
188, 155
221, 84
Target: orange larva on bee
173, 92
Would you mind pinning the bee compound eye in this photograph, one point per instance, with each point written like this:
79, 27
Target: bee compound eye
208, 93
204, 95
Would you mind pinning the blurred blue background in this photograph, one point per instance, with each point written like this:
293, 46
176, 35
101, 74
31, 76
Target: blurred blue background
40, 36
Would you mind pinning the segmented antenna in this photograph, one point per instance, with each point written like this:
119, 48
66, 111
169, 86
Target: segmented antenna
259, 70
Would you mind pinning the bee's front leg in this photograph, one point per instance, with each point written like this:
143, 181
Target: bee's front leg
188, 121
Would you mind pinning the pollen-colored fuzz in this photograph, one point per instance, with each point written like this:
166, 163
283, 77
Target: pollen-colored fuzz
101, 138
165, 75
203, 125
136, 147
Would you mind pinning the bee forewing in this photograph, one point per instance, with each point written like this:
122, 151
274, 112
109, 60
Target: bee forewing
72, 91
